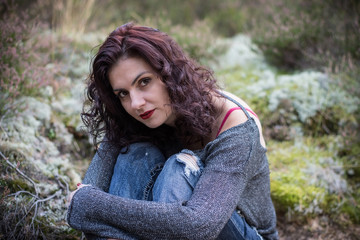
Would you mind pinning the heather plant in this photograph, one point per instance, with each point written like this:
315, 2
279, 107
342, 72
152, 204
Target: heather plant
22, 69
35, 145
303, 34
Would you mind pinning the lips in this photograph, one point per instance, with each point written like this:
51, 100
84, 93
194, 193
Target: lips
147, 114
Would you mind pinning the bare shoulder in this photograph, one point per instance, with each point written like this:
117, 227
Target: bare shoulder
235, 117
238, 117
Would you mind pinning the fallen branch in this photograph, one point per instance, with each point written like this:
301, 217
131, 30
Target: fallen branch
20, 172
19, 192
40, 201
35, 201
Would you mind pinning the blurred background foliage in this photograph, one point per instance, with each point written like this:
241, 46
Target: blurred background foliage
296, 62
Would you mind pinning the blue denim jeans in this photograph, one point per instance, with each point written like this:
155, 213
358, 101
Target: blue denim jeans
143, 173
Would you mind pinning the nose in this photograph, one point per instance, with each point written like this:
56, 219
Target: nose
137, 101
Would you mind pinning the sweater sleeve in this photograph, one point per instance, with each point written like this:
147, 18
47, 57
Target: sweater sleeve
101, 167
203, 216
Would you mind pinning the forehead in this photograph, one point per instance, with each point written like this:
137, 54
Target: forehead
128, 69
131, 64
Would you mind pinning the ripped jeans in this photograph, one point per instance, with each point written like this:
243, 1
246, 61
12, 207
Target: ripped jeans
144, 174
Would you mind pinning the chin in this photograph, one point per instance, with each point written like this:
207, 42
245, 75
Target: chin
152, 125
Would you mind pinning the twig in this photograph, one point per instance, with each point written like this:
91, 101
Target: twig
18, 192
42, 200
66, 187
35, 213
20, 172
76, 145
59, 182
35, 197
48, 198
27, 211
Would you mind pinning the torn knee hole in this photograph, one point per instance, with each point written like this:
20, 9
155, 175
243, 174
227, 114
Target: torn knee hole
190, 162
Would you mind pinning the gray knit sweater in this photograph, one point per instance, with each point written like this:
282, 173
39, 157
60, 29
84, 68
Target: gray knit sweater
235, 176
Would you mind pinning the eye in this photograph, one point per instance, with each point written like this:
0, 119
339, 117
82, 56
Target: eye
145, 81
122, 94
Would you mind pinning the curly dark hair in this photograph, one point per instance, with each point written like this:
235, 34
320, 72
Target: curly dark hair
190, 88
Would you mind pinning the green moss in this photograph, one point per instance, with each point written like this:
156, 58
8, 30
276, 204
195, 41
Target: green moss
351, 207
299, 179
292, 191
17, 184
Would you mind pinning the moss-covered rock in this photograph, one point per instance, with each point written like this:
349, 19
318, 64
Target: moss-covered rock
308, 178
37, 189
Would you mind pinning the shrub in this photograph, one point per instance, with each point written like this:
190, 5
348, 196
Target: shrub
22, 69
302, 34
196, 40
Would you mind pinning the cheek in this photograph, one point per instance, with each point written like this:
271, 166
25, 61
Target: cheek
168, 112
165, 94
126, 106
167, 105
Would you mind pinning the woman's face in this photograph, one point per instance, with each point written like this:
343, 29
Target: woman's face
141, 92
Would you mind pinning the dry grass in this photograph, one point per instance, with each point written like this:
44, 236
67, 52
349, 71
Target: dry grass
70, 17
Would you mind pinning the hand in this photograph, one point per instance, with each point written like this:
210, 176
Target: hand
79, 185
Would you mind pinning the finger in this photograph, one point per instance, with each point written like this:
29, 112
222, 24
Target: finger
83, 185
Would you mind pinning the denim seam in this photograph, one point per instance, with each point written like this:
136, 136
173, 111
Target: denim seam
257, 233
151, 182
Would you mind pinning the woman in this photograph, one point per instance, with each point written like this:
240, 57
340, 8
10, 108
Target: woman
180, 158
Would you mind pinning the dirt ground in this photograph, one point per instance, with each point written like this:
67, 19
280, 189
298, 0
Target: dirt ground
316, 229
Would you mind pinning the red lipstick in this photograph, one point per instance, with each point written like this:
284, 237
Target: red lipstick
147, 114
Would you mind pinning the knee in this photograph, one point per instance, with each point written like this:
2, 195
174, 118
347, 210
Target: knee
143, 152
191, 163
178, 178
184, 162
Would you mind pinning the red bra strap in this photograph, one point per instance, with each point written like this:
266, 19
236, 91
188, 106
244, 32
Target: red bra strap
247, 109
227, 115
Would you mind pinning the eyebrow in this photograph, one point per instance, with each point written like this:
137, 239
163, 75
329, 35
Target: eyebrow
134, 81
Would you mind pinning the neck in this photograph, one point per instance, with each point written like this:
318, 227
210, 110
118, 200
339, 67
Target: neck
219, 103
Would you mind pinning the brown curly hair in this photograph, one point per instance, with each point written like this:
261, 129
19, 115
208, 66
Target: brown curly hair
190, 88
